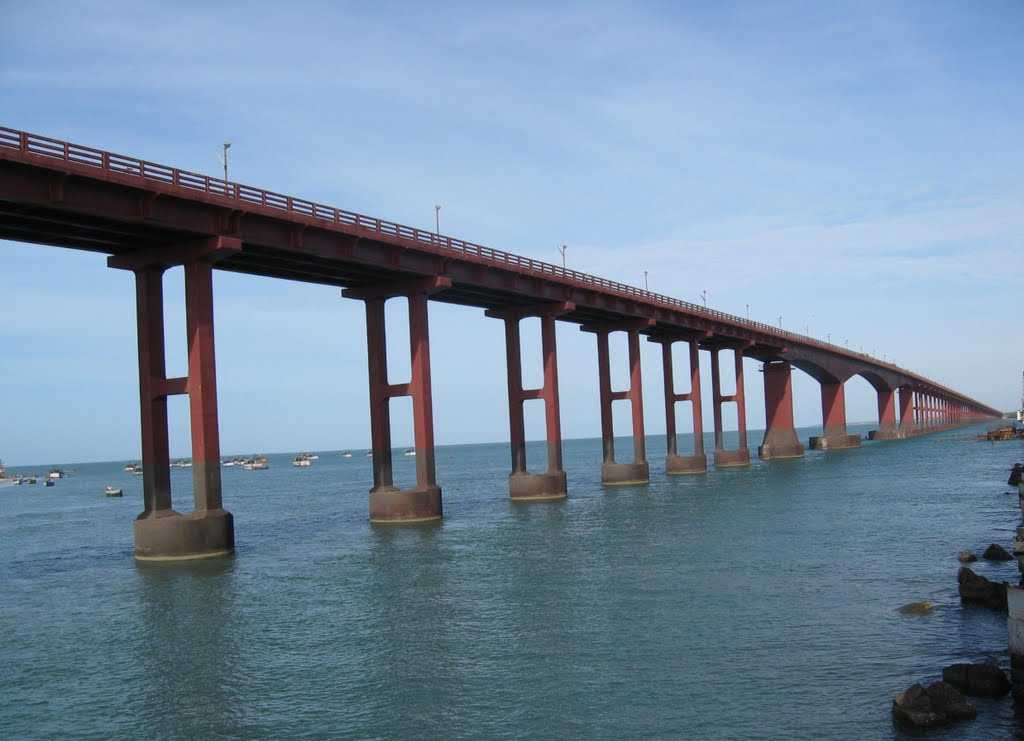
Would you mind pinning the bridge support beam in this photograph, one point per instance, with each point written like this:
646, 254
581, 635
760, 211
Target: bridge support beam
613, 473
161, 533
780, 440
525, 486
697, 462
907, 427
833, 408
388, 503
741, 456
887, 427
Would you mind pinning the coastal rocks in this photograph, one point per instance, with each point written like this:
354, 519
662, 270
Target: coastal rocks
917, 608
979, 680
977, 590
996, 552
938, 704
966, 557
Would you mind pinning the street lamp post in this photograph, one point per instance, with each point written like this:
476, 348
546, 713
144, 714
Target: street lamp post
704, 297
562, 250
437, 219
224, 159
645, 280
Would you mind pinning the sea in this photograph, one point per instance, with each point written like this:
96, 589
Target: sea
754, 603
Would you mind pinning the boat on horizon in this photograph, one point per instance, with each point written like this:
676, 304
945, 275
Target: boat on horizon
113, 491
256, 463
346, 454
302, 460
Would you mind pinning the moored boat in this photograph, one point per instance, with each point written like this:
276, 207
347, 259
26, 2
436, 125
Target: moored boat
4, 479
113, 491
346, 454
302, 461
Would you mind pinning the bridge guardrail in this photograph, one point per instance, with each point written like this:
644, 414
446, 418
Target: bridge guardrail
35, 144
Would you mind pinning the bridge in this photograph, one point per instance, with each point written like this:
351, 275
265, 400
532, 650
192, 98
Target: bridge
148, 217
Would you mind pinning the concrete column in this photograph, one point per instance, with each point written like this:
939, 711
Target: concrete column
780, 440
697, 462
523, 485
637, 472
833, 409
741, 456
907, 424
887, 427
202, 386
388, 503
161, 534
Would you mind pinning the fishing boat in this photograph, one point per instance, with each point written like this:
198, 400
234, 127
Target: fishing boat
302, 461
346, 454
134, 469
4, 479
49, 482
113, 491
257, 463
410, 452
56, 473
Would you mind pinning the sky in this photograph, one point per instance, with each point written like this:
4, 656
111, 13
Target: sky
851, 170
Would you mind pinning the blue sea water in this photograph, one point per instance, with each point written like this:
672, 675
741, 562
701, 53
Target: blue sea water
746, 603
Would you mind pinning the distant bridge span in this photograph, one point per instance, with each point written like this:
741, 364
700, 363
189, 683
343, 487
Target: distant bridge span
149, 217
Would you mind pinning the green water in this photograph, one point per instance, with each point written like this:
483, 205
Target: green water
753, 603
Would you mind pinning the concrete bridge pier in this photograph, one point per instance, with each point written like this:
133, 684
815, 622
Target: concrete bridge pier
697, 462
612, 472
833, 408
741, 456
161, 533
388, 503
907, 426
780, 440
888, 429
525, 486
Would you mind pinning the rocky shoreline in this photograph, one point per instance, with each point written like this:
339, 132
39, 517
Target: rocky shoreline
945, 702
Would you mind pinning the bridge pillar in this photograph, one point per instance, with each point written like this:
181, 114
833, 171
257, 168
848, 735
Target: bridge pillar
637, 472
833, 408
741, 456
388, 503
161, 533
523, 485
907, 426
697, 462
780, 440
887, 427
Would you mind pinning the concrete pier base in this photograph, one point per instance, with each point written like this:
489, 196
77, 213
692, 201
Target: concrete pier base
537, 487
892, 433
389, 505
176, 537
780, 444
1015, 629
620, 474
732, 458
834, 442
682, 465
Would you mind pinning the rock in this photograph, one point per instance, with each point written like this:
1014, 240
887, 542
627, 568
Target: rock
996, 552
917, 608
938, 704
977, 590
980, 680
966, 557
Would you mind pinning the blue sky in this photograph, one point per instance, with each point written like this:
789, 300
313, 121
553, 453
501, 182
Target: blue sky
853, 169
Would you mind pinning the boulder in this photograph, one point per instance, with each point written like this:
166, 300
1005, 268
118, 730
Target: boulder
980, 680
977, 590
917, 608
996, 552
966, 557
937, 704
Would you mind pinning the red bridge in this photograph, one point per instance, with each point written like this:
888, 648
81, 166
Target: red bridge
149, 217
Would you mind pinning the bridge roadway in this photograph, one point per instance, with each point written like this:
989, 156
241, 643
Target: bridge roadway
148, 217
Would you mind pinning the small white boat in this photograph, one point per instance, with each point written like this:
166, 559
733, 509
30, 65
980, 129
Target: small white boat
346, 454
56, 473
259, 463
409, 452
113, 491
301, 462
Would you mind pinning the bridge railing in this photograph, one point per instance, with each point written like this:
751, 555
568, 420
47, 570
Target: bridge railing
34, 144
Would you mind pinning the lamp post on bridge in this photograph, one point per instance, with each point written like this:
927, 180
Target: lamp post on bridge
645, 280
224, 159
704, 297
437, 219
562, 250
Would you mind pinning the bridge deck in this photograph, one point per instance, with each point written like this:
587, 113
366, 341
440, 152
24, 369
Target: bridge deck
58, 193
